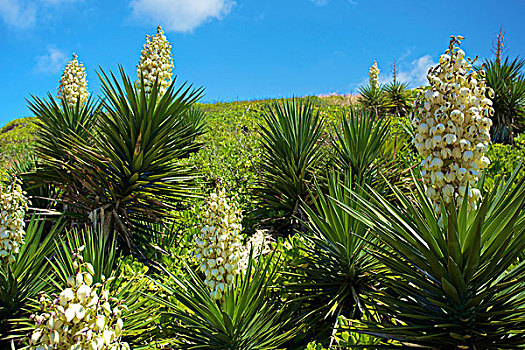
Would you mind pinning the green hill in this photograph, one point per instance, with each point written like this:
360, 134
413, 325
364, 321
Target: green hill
226, 120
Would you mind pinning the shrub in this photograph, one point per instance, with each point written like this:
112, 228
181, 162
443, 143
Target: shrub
399, 98
123, 171
373, 98
508, 82
292, 150
505, 159
332, 269
359, 143
455, 285
247, 318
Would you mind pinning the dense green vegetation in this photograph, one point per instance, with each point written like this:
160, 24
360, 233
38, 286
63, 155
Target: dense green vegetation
232, 150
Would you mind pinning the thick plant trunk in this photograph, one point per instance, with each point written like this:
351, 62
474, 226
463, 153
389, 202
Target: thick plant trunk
501, 130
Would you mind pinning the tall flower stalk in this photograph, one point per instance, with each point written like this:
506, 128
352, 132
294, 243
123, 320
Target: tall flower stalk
219, 242
452, 123
13, 206
73, 84
156, 62
373, 73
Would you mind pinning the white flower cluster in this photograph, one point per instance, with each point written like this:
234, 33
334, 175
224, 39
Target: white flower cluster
373, 73
73, 84
452, 128
260, 243
219, 242
156, 61
81, 317
13, 204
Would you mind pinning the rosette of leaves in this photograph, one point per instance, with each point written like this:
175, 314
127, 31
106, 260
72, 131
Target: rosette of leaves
332, 272
374, 99
249, 317
56, 120
358, 145
453, 286
508, 82
367, 148
399, 98
291, 142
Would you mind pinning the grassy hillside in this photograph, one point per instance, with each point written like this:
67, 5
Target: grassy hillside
17, 139
228, 123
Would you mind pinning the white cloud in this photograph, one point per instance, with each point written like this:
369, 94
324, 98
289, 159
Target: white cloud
52, 62
416, 75
18, 14
22, 13
180, 15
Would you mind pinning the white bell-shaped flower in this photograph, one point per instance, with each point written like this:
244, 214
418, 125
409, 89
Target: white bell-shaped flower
452, 130
13, 206
80, 317
73, 84
373, 74
218, 243
156, 62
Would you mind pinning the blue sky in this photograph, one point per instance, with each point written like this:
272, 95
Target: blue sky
241, 49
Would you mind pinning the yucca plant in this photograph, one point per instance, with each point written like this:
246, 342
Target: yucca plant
508, 82
373, 98
399, 98
366, 147
359, 143
23, 279
451, 286
333, 271
247, 318
291, 140
126, 171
